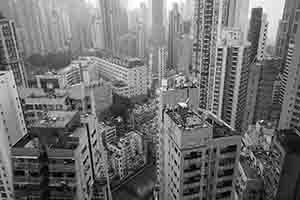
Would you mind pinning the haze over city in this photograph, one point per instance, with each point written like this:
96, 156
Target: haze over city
149, 100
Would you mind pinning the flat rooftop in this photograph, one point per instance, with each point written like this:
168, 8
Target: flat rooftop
185, 118
55, 119
250, 172
126, 62
179, 81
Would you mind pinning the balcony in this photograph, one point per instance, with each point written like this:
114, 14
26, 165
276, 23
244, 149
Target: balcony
192, 168
193, 155
193, 179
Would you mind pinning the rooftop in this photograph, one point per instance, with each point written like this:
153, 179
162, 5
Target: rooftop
250, 172
40, 93
55, 119
126, 62
185, 118
178, 81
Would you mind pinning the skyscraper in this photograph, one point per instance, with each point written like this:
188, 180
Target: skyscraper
158, 18
261, 82
287, 28
11, 56
201, 155
207, 26
231, 77
254, 31
174, 32
174, 89
262, 43
12, 129
10, 108
290, 91
236, 15
162, 64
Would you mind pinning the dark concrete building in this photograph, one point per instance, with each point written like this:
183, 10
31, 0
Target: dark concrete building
254, 30
288, 143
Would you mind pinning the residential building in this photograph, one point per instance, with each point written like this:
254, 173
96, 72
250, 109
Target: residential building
287, 145
159, 9
235, 14
249, 183
11, 57
260, 135
162, 63
287, 29
262, 77
262, 43
141, 41
290, 103
68, 145
207, 23
51, 80
127, 154
11, 111
255, 31
231, 78
177, 88
12, 129
35, 101
174, 31
184, 53
94, 97
109, 133
132, 72
202, 154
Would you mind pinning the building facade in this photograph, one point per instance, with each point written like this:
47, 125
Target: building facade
202, 157
206, 26
290, 106
231, 78
11, 58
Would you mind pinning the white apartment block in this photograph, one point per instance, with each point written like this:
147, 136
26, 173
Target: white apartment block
10, 50
132, 71
11, 114
207, 24
201, 155
12, 129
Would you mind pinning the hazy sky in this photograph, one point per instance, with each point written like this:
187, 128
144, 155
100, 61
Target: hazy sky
272, 7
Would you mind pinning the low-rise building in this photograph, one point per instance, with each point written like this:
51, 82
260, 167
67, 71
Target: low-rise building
249, 185
109, 133
128, 154
131, 71
61, 157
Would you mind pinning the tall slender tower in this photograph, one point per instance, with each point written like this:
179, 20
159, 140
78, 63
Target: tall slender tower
231, 77
254, 30
207, 26
11, 56
290, 108
287, 28
174, 31
158, 14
